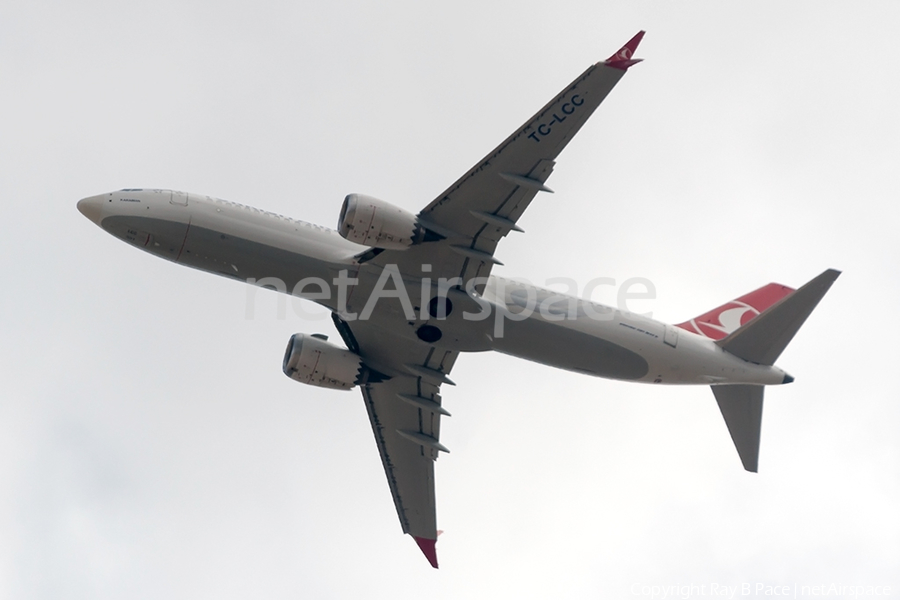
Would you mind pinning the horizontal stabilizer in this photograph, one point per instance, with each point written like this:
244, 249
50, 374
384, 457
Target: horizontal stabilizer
763, 339
741, 405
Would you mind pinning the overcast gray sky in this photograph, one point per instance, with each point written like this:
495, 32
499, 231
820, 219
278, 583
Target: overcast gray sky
150, 446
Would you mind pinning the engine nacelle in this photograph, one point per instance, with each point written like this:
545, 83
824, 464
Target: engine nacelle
373, 222
310, 359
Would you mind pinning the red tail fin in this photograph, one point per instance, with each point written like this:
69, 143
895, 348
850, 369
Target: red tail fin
719, 322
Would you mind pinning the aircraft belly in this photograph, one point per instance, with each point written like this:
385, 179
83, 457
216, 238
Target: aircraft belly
551, 344
405, 313
161, 237
699, 361
241, 258
227, 255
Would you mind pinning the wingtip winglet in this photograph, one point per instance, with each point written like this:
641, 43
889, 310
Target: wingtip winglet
427, 547
624, 58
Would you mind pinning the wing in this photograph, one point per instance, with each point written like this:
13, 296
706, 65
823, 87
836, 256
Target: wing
474, 214
405, 412
464, 225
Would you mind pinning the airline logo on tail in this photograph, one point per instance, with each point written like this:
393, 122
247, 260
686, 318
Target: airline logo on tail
724, 320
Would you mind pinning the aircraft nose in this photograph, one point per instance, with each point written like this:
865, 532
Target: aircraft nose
91, 208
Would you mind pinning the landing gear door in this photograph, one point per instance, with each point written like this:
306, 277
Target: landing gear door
179, 198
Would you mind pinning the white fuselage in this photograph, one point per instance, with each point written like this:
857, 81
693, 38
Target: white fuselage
308, 260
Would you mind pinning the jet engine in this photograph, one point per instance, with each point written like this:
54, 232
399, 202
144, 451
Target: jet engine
313, 360
373, 222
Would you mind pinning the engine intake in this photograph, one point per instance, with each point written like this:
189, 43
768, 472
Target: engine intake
314, 361
373, 222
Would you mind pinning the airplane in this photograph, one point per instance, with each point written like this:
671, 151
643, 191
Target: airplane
409, 292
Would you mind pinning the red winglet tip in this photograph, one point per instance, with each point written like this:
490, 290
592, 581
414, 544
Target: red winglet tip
624, 57
428, 549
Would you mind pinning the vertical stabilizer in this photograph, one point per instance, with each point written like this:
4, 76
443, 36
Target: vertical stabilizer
719, 322
741, 405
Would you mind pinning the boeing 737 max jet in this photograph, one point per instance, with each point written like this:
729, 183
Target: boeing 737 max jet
409, 292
